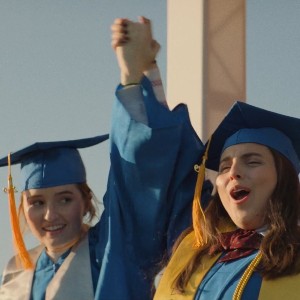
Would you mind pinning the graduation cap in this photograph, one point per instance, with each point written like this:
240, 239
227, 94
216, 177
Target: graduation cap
43, 165
245, 123
49, 164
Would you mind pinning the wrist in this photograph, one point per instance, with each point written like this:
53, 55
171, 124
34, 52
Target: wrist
130, 79
130, 84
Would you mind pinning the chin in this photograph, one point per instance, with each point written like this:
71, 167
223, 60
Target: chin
248, 226
245, 225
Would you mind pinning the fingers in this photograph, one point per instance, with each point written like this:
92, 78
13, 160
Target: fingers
144, 20
139, 34
119, 31
155, 46
119, 40
121, 21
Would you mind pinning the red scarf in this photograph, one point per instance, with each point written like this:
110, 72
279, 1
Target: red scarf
237, 244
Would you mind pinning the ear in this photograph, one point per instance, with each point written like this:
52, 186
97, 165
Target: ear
87, 205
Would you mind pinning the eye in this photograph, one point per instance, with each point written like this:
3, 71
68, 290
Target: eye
224, 168
37, 203
254, 163
65, 200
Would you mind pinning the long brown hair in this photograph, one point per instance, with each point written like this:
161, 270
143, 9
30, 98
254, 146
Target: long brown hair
280, 246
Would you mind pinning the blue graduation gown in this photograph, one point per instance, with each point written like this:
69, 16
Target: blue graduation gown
147, 204
148, 200
222, 279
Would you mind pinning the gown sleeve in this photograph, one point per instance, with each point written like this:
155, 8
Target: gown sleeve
149, 194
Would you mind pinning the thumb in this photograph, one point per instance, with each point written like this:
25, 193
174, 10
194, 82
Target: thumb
155, 46
144, 20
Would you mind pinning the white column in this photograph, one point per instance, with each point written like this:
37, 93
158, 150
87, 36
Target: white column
184, 56
206, 58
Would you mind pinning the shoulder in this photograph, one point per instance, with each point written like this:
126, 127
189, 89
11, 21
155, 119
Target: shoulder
14, 265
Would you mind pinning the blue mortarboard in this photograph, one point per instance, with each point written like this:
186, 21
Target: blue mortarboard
245, 123
49, 164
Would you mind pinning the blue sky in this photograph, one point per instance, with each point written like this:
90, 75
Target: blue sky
273, 60
58, 74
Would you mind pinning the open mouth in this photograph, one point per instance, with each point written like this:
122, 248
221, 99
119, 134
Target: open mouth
239, 193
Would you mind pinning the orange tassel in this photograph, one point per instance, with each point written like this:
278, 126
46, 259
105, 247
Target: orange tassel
198, 214
17, 235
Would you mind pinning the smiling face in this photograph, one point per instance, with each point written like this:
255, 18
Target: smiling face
246, 180
55, 215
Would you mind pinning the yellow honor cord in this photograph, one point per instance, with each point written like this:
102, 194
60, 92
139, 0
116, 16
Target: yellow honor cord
237, 295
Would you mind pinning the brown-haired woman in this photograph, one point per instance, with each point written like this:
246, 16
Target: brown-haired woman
245, 245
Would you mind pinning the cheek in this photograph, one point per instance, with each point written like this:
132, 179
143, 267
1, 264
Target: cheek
33, 221
26, 213
274, 181
268, 184
31, 217
77, 212
220, 184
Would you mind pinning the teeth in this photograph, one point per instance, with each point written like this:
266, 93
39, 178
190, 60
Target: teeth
54, 227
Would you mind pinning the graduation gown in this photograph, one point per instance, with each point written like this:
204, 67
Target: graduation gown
73, 280
286, 287
147, 204
149, 196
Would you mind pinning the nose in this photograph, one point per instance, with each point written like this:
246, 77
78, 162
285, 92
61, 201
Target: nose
235, 171
50, 213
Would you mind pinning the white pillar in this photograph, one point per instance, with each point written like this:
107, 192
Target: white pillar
206, 58
184, 56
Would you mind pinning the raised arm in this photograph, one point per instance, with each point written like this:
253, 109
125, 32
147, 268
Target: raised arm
151, 183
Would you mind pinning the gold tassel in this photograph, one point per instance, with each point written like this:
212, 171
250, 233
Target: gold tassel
198, 214
17, 235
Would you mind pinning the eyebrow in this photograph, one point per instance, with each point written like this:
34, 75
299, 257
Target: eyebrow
56, 194
64, 192
243, 156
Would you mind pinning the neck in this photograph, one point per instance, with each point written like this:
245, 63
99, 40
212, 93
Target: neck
56, 252
54, 256
262, 230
